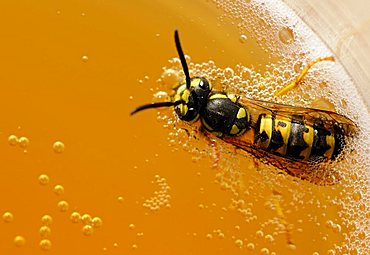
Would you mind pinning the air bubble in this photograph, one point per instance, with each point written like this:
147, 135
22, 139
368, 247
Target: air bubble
45, 231
357, 195
46, 220
250, 246
259, 233
13, 140
8, 217
87, 230
209, 236
45, 244
243, 38
228, 72
269, 238
63, 206
75, 217
58, 147
58, 189
85, 58
265, 251
19, 241
239, 243
23, 142
86, 218
44, 179
286, 35
131, 226
96, 222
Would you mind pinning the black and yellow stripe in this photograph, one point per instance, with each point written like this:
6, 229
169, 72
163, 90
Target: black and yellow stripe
292, 138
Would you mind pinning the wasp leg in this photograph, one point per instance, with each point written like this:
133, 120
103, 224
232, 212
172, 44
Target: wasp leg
299, 78
277, 197
215, 148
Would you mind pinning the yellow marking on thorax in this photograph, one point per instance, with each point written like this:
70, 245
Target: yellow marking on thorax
308, 138
217, 96
241, 113
265, 125
330, 140
284, 131
234, 130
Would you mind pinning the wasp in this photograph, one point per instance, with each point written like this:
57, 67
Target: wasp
299, 141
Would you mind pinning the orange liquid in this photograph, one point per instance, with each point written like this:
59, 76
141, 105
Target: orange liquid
71, 71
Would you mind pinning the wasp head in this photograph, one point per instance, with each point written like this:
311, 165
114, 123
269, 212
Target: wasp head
192, 99
189, 97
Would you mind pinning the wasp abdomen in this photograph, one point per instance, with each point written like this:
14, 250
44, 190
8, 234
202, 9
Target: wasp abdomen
292, 138
224, 116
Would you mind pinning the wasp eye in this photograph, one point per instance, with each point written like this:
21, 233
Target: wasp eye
203, 84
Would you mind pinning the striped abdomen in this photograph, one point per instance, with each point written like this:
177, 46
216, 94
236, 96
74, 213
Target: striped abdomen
292, 138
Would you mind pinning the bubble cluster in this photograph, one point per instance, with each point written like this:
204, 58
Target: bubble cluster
161, 198
89, 223
337, 212
22, 141
45, 232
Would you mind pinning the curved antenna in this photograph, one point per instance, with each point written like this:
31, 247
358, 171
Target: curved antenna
155, 105
182, 58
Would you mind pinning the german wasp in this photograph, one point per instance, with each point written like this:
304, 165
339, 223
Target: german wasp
297, 140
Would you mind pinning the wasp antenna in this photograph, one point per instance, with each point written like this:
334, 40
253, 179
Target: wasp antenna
182, 58
154, 105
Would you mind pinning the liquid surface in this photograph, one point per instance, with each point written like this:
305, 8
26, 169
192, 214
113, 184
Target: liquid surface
82, 177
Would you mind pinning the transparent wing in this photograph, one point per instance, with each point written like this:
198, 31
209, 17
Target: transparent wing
310, 115
319, 173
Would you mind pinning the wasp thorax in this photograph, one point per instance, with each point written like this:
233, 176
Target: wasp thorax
193, 98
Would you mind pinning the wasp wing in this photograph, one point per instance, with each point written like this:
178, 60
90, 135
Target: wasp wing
310, 115
319, 173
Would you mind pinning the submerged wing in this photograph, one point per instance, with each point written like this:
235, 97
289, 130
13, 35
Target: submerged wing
310, 115
319, 173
